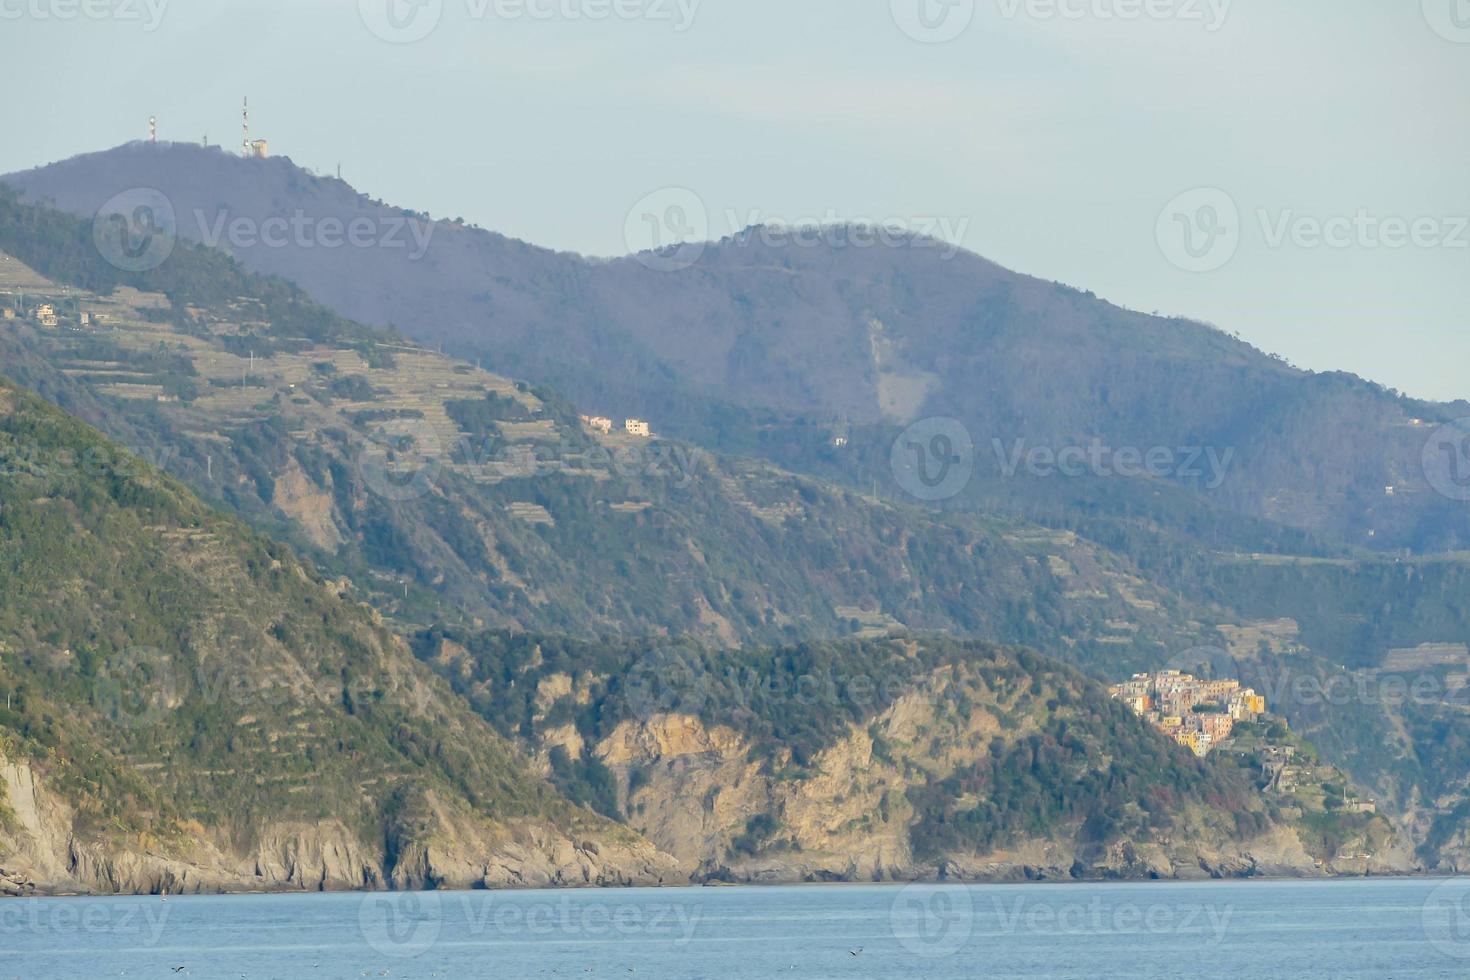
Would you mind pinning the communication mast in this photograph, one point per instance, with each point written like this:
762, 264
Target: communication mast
252, 148
153, 129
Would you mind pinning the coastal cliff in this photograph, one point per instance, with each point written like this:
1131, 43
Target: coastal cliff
978, 763
44, 851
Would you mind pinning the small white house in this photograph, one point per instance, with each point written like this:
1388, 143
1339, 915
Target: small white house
637, 427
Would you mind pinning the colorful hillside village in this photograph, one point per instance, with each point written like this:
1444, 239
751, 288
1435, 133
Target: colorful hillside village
1198, 714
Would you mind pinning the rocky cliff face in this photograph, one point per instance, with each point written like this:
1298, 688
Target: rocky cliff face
693, 791
43, 851
709, 796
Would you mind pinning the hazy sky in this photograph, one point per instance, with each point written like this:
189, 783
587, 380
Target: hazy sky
1321, 147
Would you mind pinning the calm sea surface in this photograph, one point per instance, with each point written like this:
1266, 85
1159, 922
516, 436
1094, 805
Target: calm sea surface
1243, 930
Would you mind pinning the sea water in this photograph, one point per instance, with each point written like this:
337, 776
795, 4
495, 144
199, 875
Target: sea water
1399, 928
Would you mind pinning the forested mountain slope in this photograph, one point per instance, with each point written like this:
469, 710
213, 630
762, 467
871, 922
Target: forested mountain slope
772, 344
449, 495
188, 708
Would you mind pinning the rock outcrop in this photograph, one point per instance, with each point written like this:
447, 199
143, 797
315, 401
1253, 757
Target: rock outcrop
42, 852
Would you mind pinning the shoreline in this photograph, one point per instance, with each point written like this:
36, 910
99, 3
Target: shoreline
757, 886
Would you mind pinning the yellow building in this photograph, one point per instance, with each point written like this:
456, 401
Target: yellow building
1196, 742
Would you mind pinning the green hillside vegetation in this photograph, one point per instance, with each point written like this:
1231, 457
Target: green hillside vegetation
268, 406
1069, 762
528, 520
842, 335
162, 664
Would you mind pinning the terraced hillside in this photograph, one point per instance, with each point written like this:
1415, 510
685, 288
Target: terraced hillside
765, 342
188, 708
446, 493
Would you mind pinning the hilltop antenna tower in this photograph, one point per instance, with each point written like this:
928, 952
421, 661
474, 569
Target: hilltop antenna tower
256, 149
153, 129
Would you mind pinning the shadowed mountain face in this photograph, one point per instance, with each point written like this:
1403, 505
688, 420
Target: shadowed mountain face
771, 344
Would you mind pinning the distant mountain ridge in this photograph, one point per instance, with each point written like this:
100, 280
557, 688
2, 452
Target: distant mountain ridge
768, 347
